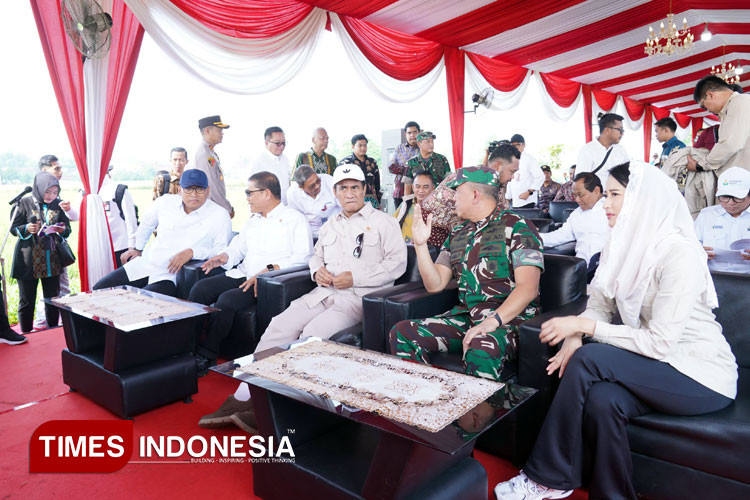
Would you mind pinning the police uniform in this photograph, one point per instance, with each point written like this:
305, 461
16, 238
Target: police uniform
207, 161
483, 256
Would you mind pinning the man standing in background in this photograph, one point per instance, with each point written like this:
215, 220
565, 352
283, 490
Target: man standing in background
207, 161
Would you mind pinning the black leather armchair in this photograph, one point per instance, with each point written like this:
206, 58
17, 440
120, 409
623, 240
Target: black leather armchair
543, 225
531, 213
562, 292
557, 209
702, 456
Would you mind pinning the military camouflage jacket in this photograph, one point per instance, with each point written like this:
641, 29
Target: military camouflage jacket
436, 164
483, 257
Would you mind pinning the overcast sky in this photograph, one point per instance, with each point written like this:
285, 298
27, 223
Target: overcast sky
165, 103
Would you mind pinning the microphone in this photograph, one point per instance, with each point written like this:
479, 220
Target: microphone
23, 193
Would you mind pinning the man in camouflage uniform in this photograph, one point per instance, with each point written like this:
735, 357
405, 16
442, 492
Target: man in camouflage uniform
426, 159
496, 259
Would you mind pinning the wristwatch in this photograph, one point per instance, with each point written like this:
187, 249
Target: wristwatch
497, 318
270, 267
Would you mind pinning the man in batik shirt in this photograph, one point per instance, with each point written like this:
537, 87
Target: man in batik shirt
317, 158
403, 153
496, 258
565, 193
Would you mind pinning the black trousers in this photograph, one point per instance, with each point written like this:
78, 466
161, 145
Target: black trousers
27, 301
119, 277
227, 296
602, 389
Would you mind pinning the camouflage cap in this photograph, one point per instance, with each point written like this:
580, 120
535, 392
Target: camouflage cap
426, 135
480, 175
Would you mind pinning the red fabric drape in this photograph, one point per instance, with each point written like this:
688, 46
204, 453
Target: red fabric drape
398, 55
587, 112
605, 100
501, 75
647, 132
243, 19
682, 119
697, 124
454, 73
65, 71
634, 108
563, 92
660, 113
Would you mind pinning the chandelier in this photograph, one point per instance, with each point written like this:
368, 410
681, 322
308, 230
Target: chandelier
729, 73
670, 39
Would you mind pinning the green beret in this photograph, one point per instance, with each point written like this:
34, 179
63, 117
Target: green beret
480, 175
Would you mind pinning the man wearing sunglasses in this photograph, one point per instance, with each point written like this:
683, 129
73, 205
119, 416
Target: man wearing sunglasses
733, 109
207, 160
359, 250
604, 152
272, 159
190, 226
719, 226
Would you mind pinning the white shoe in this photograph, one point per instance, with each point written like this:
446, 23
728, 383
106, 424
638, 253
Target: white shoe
523, 488
40, 324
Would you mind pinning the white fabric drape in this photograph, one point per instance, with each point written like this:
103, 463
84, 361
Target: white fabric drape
236, 65
98, 240
553, 110
380, 83
501, 101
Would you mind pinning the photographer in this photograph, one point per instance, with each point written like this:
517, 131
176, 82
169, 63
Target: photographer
39, 224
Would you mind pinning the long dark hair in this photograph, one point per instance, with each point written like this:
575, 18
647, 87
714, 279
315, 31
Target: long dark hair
621, 173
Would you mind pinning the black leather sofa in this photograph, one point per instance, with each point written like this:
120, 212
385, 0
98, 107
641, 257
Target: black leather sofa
557, 209
562, 292
703, 456
531, 213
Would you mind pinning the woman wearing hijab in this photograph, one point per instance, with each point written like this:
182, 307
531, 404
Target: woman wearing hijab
669, 355
39, 225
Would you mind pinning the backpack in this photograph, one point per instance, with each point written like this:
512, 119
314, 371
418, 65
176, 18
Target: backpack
119, 193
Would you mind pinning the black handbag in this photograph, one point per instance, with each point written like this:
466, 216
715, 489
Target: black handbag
65, 252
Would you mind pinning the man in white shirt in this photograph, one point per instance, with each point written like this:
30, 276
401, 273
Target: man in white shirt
190, 226
122, 223
587, 225
311, 194
718, 226
272, 159
207, 160
275, 237
592, 156
530, 176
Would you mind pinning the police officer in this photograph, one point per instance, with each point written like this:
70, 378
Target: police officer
207, 161
719, 226
496, 259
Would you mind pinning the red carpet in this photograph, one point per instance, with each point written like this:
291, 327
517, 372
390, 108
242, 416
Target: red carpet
31, 372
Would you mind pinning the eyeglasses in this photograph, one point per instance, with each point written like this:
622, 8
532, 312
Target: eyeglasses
249, 192
278, 143
194, 189
727, 199
700, 103
621, 130
360, 240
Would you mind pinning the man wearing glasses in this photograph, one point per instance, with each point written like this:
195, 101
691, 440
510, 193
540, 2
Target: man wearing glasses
604, 152
359, 250
207, 161
272, 159
275, 237
719, 226
190, 226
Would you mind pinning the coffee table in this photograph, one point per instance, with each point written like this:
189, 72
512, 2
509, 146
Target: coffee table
128, 349
345, 453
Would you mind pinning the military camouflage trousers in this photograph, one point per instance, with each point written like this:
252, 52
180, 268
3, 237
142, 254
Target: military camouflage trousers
485, 357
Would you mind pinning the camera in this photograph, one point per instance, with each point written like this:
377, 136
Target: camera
494, 144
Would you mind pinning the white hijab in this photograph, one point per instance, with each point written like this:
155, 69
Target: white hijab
653, 213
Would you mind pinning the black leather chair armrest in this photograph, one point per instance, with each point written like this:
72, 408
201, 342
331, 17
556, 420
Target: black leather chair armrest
350, 336
190, 274
533, 356
564, 249
374, 332
277, 289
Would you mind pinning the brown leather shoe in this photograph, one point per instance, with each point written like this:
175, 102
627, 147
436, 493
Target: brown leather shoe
223, 416
245, 420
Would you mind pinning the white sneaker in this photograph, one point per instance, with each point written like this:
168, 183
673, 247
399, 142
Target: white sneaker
40, 324
523, 488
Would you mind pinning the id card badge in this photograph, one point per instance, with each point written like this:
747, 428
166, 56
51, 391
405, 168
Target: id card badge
106, 206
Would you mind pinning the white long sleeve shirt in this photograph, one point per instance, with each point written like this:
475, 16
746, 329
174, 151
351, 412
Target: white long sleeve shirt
206, 231
277, 165
317, 210
588, 228
281, 238
531, 177
123, 231
717, 229
591, 155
